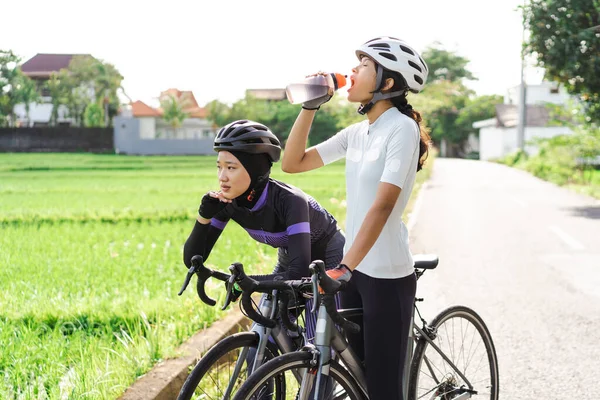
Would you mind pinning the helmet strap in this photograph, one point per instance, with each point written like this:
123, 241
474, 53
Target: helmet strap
377, 95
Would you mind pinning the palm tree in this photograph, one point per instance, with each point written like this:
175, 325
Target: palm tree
27, 93
57, 92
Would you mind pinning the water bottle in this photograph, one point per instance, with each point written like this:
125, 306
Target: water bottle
314, 87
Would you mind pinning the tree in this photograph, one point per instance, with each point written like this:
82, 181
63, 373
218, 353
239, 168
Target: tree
279, 116
93, 116
446, 65
564, 39
27, 93
58, 94
173, 110
218, 113
476, 109
447, 106
440, 104
92, 80
15, 87
9, 74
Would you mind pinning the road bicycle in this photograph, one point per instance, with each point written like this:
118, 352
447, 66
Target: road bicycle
452, 357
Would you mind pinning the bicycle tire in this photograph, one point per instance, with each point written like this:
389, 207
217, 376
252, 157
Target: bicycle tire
450, 386
299, 359
217, 352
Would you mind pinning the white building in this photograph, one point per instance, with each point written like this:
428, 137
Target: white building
141, 129
40, 68
498, 136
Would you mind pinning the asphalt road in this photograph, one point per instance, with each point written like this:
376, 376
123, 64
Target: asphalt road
525, 254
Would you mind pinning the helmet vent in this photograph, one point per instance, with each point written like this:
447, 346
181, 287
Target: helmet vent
418, 79
380, 45
389, 56
407, 50
253, 141
415, 66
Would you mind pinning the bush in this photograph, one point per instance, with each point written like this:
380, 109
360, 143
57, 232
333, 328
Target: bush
563, 159
513, 158
93, 117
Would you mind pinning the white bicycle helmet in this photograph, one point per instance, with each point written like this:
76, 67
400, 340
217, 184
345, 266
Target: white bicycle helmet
398, 56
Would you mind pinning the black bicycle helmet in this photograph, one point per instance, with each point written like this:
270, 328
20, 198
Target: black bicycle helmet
248, 137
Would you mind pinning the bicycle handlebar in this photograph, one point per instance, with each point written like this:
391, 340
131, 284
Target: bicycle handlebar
203, 273
249, 286
317, 268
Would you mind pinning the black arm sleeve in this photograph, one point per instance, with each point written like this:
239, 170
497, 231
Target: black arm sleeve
200, 242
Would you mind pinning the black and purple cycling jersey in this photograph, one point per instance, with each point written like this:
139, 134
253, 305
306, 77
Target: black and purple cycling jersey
283, 217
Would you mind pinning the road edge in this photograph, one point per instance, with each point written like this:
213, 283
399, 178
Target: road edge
165, 379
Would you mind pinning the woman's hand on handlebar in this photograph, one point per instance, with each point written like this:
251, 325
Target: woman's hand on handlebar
341, 273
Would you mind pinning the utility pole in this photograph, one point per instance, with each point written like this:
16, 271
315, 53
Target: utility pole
522, 96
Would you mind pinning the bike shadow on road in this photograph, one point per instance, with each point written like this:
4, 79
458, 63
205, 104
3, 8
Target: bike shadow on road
592, 212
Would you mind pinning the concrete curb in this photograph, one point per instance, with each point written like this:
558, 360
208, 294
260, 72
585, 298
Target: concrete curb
164, 381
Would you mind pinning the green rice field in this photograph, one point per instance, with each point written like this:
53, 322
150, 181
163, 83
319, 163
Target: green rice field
91, 263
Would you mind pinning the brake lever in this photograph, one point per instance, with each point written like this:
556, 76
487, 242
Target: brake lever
314, 279
196, 266
229, 286
189, 275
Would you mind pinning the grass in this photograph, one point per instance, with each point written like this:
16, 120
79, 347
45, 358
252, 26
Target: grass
90, 266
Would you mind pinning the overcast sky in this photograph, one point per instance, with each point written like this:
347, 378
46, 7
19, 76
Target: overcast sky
220, 48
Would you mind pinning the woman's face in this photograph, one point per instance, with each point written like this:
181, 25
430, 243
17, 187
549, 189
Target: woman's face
233, 177
363, 80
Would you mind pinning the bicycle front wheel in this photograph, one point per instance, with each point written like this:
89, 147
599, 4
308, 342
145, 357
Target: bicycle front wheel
218, 375
294, 368
465, 362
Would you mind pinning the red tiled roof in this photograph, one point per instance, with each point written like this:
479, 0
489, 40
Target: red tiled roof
44, 64
197, 112
141, 109
191, 105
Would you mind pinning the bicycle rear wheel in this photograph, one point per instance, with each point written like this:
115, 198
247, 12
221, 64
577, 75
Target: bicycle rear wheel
462, 336
215, 374
288, 367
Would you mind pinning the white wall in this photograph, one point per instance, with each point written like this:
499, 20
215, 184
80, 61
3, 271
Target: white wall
472, 143
192, 128
147, 127
495, 142
491, 144
40, 112
127, 140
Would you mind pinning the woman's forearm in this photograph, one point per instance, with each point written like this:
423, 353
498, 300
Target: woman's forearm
295, 147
